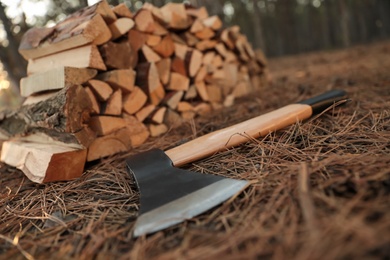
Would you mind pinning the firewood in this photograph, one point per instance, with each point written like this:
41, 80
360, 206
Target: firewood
136, 39
159, 29
113, 55
178, 65
183, 106
217, 61
104, 125
190, 39
191, 93
172, 118
114, 104
229, 100
102, 90
146, 111
149, 55
213, 22
188, 115
208, 57
165, 48
144, 21
120, 27
206, 45
175, 16
156, 12
153, 40
134, 101
180, 50
202, 91
158, 115
177, 39
221, 49
74, 31
225, 37
95, 107
54, 79
121, 10
123, 79
104, 9
138, 132
201, 74
157, 130
62, 118
44, 162
82, 57
230, 57
196, 26
194, 61
164, 70
178, 82
116, 142
200, 13
173, 98
205, 34
203, 108
157, 94
148, 80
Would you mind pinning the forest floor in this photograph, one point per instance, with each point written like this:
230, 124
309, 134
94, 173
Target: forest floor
320, 189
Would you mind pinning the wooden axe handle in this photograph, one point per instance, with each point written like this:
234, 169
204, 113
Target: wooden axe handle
253, 128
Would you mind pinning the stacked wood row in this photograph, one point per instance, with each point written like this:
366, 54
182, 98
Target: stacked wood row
104, 80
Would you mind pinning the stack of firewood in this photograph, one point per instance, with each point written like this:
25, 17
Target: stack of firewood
103, 80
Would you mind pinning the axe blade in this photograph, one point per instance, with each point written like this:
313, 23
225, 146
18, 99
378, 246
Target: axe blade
170, 195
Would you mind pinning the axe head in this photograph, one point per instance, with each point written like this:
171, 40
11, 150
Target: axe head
169, 195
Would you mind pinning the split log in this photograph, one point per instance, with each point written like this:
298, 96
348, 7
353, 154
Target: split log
178, 82
144, 21
113, 55
120, 27
102, 89
104, 125
114, 104
157, 130
95, 107
82, 57
55, 79
123, 79
121, 10
175, 16
44, 162
134, 101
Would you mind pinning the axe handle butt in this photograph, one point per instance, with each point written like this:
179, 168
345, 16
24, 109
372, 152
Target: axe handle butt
253, 128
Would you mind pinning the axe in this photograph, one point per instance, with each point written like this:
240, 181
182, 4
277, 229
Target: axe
169, 195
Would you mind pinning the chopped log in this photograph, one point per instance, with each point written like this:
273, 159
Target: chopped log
183, 106
156, 12
148, 54
196, 26
213, 22
121, 10
104, 125
159, 29
136, 39
157, 95
221, 49
205, 34
177, 39
113, 55
157, 130
158, 115
114, 104
153, 40
120, 27
95, 107
173, 98
193, 60
202, 73
229, 100
77, 30
217, 61
144, 21
44, 162
188, 115
165, 48
134, 101
191, 93
178, 65
178, 82
123, 79
190, 39
116, 142
206, 45
54, 79
62, 117
230, 57
172, 118
102, 90
138, 132
202, 91
225, 37
82, 57
203, 109
175, 16
104, 9
146, 111
164, 70
180, 50
148, 79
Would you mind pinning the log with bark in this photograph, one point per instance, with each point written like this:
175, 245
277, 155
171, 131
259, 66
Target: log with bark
105, 79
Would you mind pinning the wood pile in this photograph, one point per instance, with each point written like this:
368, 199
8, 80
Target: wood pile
104, 80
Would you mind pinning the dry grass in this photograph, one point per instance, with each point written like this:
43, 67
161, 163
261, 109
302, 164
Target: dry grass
321, 189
